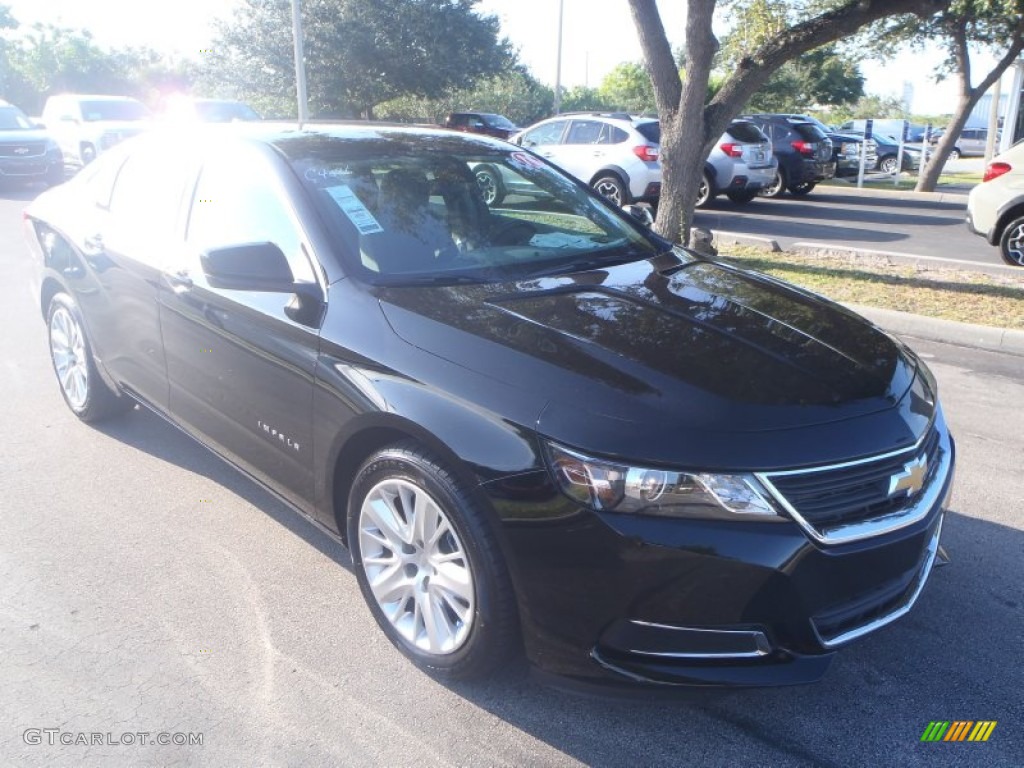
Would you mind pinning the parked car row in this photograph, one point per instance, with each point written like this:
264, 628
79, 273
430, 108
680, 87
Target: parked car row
75, 129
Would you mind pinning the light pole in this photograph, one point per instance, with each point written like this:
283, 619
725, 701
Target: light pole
300, 64
558, 65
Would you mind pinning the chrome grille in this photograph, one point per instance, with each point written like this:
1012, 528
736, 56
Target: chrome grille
850, 501
23, 149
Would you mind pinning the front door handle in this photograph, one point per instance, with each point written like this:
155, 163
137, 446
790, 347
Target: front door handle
179, 281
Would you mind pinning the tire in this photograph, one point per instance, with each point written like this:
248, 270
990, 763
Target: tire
802, 189
491, 186
610, 186
83, 389
777, 187
1011, 244
399, 570
742, 196
954, 154
887, 165
704, 195
87, 152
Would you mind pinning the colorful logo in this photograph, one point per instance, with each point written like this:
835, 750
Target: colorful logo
958, 730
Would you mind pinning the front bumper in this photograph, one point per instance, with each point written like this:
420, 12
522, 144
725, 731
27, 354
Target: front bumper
32, 168
616, 599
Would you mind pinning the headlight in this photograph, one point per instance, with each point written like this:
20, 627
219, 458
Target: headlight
52, 148
611, 487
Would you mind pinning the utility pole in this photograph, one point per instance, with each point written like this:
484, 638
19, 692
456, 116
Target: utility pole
558, 65
300, 63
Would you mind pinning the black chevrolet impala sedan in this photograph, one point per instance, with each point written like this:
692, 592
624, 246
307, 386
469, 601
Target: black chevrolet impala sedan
536, 425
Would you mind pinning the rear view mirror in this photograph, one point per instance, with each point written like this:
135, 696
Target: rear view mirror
641, 213
249, 267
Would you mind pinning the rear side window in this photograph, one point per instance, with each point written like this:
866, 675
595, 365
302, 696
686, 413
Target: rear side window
747, 133
148, 191
584, 132
612, 135
650, 131
808, 131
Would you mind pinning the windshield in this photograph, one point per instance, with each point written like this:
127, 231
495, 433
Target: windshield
422, 208
498, 121
224, 111
113, 110
13, 119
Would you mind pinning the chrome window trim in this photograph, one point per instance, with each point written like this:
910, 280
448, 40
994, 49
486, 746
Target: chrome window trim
865, 529
903, 610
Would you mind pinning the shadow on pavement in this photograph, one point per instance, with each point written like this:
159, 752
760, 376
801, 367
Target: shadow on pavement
145, 431
956, 656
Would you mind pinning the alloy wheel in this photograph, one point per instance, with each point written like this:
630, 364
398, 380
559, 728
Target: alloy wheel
1013, 243
67, 348
609, 188
416, 567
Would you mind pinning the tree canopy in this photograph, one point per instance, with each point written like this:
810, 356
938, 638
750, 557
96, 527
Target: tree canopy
359, 53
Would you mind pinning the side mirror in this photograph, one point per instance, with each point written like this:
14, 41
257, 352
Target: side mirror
38, 123
249, 267
69, 119
641, 213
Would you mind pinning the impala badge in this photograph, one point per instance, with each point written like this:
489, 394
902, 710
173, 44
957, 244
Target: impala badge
274, 434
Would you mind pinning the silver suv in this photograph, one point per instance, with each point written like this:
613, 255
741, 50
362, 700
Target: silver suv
741, 165
617, 154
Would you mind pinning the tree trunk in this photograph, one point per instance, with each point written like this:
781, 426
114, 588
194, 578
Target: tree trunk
689, 129
967, 100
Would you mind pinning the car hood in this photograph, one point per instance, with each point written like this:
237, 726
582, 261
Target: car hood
670, 350
23, 135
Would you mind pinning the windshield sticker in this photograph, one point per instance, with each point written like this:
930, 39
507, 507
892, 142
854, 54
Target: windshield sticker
321, 174
353, 207
560, 240
524, 160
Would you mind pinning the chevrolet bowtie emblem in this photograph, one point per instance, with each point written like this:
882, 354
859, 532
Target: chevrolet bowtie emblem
911, 478
21, 151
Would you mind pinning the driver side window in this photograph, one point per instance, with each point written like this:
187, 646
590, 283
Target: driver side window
236, 202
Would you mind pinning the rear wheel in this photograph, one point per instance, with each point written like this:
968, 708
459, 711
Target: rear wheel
887, 165
703, 191
85, 392
1011, 244
776, 187
491, 186
802, 189
611, 187
428, 564
742, 196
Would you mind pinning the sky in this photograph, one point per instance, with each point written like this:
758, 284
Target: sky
597, 35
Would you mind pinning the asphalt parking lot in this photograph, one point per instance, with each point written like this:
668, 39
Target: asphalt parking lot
147, 587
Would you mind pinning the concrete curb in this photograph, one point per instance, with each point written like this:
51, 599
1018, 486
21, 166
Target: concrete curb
895, 194
1003, 340
739, 238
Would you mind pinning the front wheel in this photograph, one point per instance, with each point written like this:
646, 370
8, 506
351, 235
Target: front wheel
777, 185
802, 189
954, 154
611, 187
1011, 244
429, 566
85, 392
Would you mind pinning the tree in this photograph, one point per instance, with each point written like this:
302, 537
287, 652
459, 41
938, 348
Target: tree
689, 126
628, 88
583, 99
359, 53
823, 77
993, 25
515, 94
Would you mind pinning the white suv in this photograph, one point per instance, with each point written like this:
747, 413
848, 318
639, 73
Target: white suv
616, 154
86, 126
995, 208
